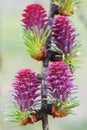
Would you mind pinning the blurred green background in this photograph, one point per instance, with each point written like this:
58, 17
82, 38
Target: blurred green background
13, 57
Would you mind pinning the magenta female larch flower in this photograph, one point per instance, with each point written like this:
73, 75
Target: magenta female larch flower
35, 16
59, 80
36, 32
25, 88
63, 34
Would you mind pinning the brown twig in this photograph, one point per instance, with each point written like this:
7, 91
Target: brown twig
45, 63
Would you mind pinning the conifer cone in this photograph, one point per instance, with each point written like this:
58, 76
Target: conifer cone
35, 23
59, 85
35, 16
25, 98
25, 94
25, 89
63, 34
59, 80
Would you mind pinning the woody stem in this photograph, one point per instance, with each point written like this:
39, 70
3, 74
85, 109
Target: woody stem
44, 105
44, 96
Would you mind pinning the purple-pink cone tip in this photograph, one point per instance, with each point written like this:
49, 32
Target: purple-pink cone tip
59, 80
35, 16
25, 88
63, 34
